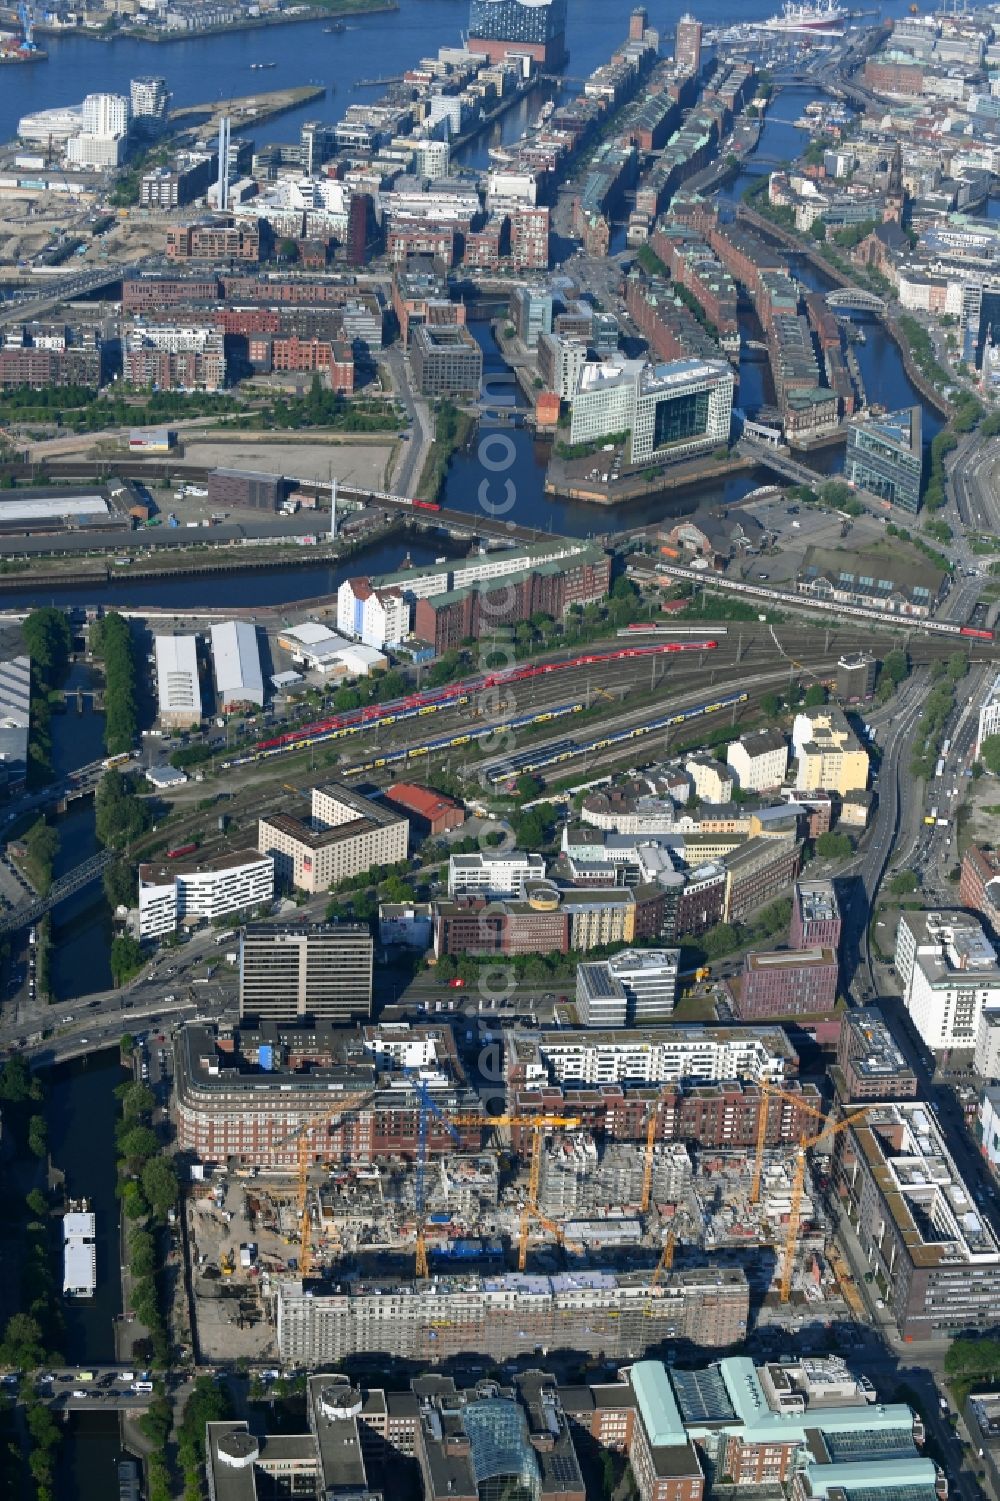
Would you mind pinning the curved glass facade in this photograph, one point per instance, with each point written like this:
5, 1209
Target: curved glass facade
503, 1460
535, 21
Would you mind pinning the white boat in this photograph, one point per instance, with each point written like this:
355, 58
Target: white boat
824, 15
79, 1251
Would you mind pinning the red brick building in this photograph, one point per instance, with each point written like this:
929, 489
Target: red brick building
787, 982
445, 620
979, 885
150, 293
213, 242
430, 810
529, 237
475, 926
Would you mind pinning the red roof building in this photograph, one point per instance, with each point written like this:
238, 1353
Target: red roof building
432, 810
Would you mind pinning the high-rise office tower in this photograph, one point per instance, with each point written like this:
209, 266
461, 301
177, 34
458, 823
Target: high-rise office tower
637, 23
687, 52
322, 971
519, 28
223, 186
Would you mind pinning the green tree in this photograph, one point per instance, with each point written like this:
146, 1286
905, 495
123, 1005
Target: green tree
22, 1345
815, 696
42, 844
989, 754
833, 846
126, 958
528, 787
120, 816
120, 885
770, 706
37, 1136
159, 1184
16, 1083
38, 1204
137, 1101
47, 636
903, 882
895, 667
137, 1145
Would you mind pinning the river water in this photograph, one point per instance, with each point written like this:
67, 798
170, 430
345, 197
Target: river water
82, 1109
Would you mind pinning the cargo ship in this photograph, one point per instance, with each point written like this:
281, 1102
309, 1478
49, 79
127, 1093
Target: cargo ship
825, 15
79, 1251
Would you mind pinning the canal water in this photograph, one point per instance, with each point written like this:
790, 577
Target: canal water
82, 1112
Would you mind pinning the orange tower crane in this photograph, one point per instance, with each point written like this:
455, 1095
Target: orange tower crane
304, 1136
798, 1186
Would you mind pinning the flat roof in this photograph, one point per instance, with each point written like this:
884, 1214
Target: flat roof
22, 509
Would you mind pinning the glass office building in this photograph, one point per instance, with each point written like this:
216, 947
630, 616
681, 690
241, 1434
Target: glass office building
885, 456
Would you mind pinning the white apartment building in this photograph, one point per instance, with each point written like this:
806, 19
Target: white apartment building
759, 760
655, 1055
633, 988
148, 96
679, 407
177, 686
989, 715
949, 973
106, 114
493, 874
377, 617
345, 835
96, 152
174, 893
711, 782
986, 1062
560, 363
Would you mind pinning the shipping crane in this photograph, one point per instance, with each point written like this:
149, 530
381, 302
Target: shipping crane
27, 27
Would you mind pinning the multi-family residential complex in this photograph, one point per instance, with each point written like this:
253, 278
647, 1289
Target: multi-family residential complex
659, 1055
320, 971
870, 1064
247, 1093
378, 617
345, 835
949, 974
759, 760
493, 874
621, 1314
829, 754
934, 1255
187, 891
989, 715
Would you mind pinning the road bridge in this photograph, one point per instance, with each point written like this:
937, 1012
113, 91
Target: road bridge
68, 885
61, 289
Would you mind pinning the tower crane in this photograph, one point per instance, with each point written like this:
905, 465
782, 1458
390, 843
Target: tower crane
304, 1136
763, 1120
427, 1108
647, 1165
798, 1185
537, 1125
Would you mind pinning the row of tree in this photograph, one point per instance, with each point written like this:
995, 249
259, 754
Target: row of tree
111, 640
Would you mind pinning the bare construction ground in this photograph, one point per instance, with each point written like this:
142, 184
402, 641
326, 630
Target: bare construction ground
361, 464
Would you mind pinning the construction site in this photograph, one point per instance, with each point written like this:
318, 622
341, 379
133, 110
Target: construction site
654, 1218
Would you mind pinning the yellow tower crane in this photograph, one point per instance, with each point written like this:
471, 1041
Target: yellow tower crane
770, 1091
647, 1166
798, 1185
304, 1136
538, 1125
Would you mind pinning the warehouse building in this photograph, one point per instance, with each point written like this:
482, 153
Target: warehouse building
617, 1315
15, 716
187, 892
236, 660
243, 488
346, 835
431, 811
322, 971
934, 1255
177, 685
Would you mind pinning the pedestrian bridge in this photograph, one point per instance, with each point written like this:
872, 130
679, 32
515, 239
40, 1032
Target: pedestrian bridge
856, 298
